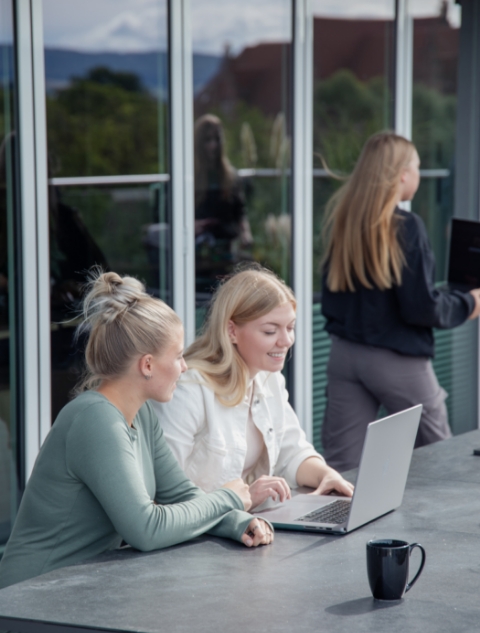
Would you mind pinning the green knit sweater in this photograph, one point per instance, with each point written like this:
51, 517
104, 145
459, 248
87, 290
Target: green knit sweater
95, 482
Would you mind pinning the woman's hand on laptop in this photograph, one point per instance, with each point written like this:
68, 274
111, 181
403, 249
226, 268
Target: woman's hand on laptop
265, 486
314, 473
258, 532
333, 482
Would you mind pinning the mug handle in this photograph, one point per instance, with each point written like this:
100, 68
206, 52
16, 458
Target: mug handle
412, 547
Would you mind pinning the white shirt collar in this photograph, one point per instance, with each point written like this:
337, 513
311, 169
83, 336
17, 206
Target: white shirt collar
260, 387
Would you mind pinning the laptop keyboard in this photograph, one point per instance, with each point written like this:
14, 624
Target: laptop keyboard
336, 512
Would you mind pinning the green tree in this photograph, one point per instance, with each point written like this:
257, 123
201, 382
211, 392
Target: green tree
346, 112
105, 124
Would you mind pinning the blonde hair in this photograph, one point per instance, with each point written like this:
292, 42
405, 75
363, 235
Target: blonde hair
361, 230
245, 296
123, 322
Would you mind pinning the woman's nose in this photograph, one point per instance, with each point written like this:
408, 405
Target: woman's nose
285, 339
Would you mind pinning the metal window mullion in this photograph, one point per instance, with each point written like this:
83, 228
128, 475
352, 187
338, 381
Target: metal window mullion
183, 216
43, 245
474, 12
403, 69
302, 208
29, 363
403, 74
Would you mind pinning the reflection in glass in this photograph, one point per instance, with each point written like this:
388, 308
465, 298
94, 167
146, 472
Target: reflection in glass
222, 230
435, 56
106, 67
242, 106
8, 334
353, 98
436, 30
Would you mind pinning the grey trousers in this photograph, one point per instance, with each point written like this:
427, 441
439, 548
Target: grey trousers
360, 379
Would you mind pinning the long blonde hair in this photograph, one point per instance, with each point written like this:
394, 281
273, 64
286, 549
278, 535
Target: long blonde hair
245, 296
205, 125
122, 322
361, 231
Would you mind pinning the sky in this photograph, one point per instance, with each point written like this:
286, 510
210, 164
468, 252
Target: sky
141, 25
6, 23
105, 25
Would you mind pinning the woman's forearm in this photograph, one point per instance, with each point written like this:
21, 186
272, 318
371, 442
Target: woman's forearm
311, 472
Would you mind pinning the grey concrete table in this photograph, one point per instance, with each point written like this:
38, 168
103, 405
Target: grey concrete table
302, 583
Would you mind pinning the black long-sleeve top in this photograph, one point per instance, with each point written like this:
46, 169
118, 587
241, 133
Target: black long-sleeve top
402, 317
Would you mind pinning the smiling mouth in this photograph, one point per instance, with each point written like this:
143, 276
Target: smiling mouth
277, 356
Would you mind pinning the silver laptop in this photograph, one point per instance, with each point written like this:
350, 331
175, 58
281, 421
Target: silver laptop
382, 475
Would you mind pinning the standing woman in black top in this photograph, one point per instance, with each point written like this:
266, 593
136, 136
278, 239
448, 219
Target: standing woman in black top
380, 303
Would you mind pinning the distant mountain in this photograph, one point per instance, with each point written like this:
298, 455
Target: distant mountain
152, 67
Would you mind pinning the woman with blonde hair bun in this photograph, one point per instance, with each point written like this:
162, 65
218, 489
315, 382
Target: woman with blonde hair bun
230, 415
381, 304
105, 473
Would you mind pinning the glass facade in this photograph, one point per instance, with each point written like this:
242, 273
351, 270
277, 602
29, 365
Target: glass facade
242, 138
353, 78
107, 87
9, 387
436, 39
109, 125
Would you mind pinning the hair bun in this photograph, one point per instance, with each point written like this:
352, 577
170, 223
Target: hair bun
108, 296
123, 289
122, 322
109, 281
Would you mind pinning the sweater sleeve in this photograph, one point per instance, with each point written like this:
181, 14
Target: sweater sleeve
99, 453
232, 525
420, 303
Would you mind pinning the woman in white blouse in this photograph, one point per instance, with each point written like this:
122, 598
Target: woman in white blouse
230, 416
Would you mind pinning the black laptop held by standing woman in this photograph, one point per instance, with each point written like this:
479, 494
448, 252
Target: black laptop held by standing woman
464, 257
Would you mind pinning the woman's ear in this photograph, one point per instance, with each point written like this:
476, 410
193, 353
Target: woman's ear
145, 366
232, 332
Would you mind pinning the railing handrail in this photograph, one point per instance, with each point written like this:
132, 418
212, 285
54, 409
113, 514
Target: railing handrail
135, 179
268, 172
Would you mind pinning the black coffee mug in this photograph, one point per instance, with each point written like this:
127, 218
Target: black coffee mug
387, 567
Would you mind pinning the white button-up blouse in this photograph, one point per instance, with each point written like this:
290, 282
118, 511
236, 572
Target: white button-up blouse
209, 439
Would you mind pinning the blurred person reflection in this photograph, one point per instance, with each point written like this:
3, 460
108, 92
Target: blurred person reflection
5, 465
222, 229
73, 251
7, 159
